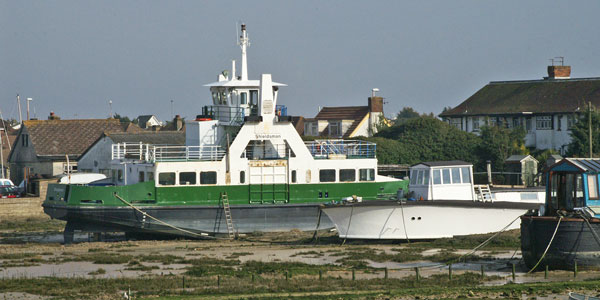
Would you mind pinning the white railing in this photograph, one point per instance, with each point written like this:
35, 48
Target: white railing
153, 153
347, 148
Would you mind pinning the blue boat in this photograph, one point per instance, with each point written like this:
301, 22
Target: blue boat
565, 231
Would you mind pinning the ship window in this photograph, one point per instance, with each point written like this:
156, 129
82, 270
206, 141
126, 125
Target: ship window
294, 177
446, 176
437, 177
242, 176
367, 174
166, 178
215, 97
244, 98
120, 175
579, 198
327, 175
141, 177
208, 177
425, 177
593, 186
254, 97
150, 175
347, 175
455, 175
413, 176
466, 175
420, 178
223, 98
187, 178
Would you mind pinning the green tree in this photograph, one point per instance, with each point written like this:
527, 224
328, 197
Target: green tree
407, 113
123, 119
580, 145
497, 144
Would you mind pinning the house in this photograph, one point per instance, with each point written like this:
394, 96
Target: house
42, 146
545, 108
7, 139
98, 157
148, 121
346, 121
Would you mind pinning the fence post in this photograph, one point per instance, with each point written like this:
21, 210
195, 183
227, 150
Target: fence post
546, 272
385, 276
353, 274
482, 272
450, 272
320, 274
513, 272
575, 270
218, 280
417, 274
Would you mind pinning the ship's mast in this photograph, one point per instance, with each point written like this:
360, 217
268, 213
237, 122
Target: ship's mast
244, 43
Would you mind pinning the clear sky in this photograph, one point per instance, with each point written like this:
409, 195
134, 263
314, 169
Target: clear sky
72, 57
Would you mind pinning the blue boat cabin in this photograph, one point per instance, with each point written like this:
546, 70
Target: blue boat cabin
572, 184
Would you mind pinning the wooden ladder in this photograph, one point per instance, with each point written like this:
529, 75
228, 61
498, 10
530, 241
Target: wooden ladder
228, 218
483, 193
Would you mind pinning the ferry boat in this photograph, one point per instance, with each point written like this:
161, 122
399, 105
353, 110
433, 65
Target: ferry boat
445, 204
244, 168
566, 229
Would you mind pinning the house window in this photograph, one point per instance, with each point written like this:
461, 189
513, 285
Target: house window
571, 121
593, 186
164, 178
208, 177
367, 174
243, 98
335, 129
311, 128
492, 122
558, 123
476, 124
516, 122
327, 175
528, 124
187, 178
25, 140
543, 122
347, 175
457, 122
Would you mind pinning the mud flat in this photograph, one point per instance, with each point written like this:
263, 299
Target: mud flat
35, 265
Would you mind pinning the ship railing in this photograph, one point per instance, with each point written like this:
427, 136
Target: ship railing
188, 153
153, 153
233, 116
324, 149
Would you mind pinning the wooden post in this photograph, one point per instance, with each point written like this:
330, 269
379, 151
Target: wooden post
417, 274
218, 280
385, 274
575, 269
286, 275
353, 274
183, 282
450, 271
252, 277
320, 274
546, 273
482, 272
513, 272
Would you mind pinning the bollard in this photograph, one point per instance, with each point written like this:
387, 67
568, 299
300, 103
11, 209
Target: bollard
482, 272
320, 274
546, 272
450, 271
385, 276
417, 274
218, 280
353, 274
575, 269
513, 271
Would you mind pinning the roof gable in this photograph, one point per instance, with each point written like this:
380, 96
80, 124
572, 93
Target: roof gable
67, 137
535, 96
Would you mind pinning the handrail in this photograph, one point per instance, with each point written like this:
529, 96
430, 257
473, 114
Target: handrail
344, 148
154, 153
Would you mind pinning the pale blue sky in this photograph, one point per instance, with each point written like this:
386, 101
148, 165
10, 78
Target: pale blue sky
73, 56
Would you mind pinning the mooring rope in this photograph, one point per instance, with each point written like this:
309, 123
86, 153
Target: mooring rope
404, 222
349, 221
547, 247
162, 222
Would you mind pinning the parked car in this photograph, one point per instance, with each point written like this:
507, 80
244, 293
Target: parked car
8, 191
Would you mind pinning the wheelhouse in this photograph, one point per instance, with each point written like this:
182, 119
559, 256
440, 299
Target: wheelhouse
572, 184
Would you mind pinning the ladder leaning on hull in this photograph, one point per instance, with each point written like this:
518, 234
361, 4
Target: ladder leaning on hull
228, 218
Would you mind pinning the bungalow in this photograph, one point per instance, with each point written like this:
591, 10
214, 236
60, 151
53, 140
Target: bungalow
547, 108
42, 146
346, 121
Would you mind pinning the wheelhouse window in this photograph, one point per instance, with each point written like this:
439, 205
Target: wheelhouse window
446, 176
466, 175
187, 178
455, 175
413, 176
437, 176
592, 181
367, 174
420, 177
208, 177
327, 175
243, 98
543, 122
254, 97
167, 178
347, 175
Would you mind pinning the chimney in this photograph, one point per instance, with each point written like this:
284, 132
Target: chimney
52, 116
559, 72
376, 104
178, 122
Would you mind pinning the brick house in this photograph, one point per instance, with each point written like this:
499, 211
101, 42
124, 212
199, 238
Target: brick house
545, 108
42, 146
346, 121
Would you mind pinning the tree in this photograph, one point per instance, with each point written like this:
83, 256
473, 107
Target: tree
123, 119
406, 113
498, 143
580, 132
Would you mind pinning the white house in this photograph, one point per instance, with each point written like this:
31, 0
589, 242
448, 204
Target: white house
148, 121
546, 108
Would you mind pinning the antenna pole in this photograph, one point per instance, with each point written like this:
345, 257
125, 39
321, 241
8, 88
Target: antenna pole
244, 43
110, 108
590, 126
19, 104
